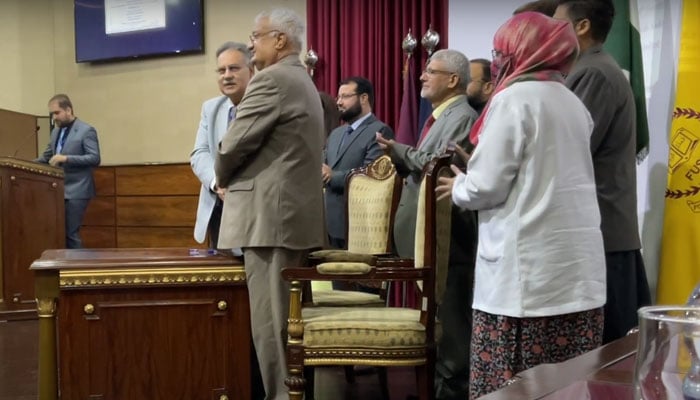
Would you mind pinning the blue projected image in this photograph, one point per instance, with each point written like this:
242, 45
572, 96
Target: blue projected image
129, 29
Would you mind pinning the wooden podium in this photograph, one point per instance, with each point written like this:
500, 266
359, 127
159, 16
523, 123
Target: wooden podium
31, 221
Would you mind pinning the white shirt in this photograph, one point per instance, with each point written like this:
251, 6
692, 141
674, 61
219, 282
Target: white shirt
540, 249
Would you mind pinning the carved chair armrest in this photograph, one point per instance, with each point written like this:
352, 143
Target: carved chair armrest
395, 261
336, 255
383, 273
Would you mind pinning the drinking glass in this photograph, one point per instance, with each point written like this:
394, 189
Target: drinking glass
667, 365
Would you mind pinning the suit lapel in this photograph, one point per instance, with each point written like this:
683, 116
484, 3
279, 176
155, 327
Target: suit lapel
333, 143
219, 120
70, 136
355, 134
432, 141
54, 138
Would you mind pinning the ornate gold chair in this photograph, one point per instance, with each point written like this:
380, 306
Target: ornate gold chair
372, 196
377, 336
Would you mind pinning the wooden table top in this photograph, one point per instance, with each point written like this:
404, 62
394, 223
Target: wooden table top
604, 373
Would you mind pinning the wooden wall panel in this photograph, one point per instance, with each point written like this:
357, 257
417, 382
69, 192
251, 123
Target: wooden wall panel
98, 237
104, 181
101, 212
156, 210
142, 206
155, 237
150, 180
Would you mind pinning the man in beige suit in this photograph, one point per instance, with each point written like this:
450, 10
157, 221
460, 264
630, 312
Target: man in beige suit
268, 162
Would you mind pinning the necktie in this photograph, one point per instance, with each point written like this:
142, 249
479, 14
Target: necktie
426, 128
345, 137
231, 115
61, 140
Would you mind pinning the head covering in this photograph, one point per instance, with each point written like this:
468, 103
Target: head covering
529, 46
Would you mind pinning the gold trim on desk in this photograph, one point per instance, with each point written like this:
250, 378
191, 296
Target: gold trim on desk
150, 277
30, 166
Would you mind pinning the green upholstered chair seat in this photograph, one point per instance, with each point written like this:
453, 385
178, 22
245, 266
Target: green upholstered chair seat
346, 298
352, 268
362, 327
336, 255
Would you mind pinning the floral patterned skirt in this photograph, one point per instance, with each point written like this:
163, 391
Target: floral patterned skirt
504, 346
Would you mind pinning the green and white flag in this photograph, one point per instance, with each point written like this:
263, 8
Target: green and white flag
624, 45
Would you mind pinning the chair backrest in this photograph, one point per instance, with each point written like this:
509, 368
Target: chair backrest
372, 196
433, 224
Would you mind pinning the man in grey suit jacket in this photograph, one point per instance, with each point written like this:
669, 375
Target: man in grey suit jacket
269, 164
73, 146
444, 84
349, 146
601, 85
234, 70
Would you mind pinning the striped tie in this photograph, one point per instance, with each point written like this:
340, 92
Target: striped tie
231, 115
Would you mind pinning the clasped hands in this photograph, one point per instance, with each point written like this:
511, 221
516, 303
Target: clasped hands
57, 159
445, 184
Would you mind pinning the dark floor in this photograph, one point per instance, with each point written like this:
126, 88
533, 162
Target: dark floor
19, 354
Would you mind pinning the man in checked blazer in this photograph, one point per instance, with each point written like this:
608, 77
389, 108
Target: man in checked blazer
233, 70
444, 84
349, 146
73, 146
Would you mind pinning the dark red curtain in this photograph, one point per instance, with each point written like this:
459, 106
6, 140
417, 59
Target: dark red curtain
363, 37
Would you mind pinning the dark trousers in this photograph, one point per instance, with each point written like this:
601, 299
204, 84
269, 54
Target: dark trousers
627, 291
215, 223
75, 210
339, 243
455, 314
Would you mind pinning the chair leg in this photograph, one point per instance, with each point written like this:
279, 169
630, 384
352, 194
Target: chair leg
383, 382
310, 377
425, 381
349, 374
296, 383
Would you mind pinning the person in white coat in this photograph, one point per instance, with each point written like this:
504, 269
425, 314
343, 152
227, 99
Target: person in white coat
234, 70
539, 280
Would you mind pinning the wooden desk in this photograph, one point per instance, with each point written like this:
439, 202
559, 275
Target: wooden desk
605, 373
163, 323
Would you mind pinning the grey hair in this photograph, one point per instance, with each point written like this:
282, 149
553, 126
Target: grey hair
286, 21
239, 47
455, 62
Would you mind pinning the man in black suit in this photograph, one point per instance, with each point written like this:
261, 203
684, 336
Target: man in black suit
349, 146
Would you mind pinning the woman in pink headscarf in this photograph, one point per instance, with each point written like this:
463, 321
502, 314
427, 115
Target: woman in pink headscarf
540, 269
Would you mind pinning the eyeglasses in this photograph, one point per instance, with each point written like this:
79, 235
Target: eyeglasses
229, 68
257, 35
497, 54
345, 96
477, 80
431, 71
